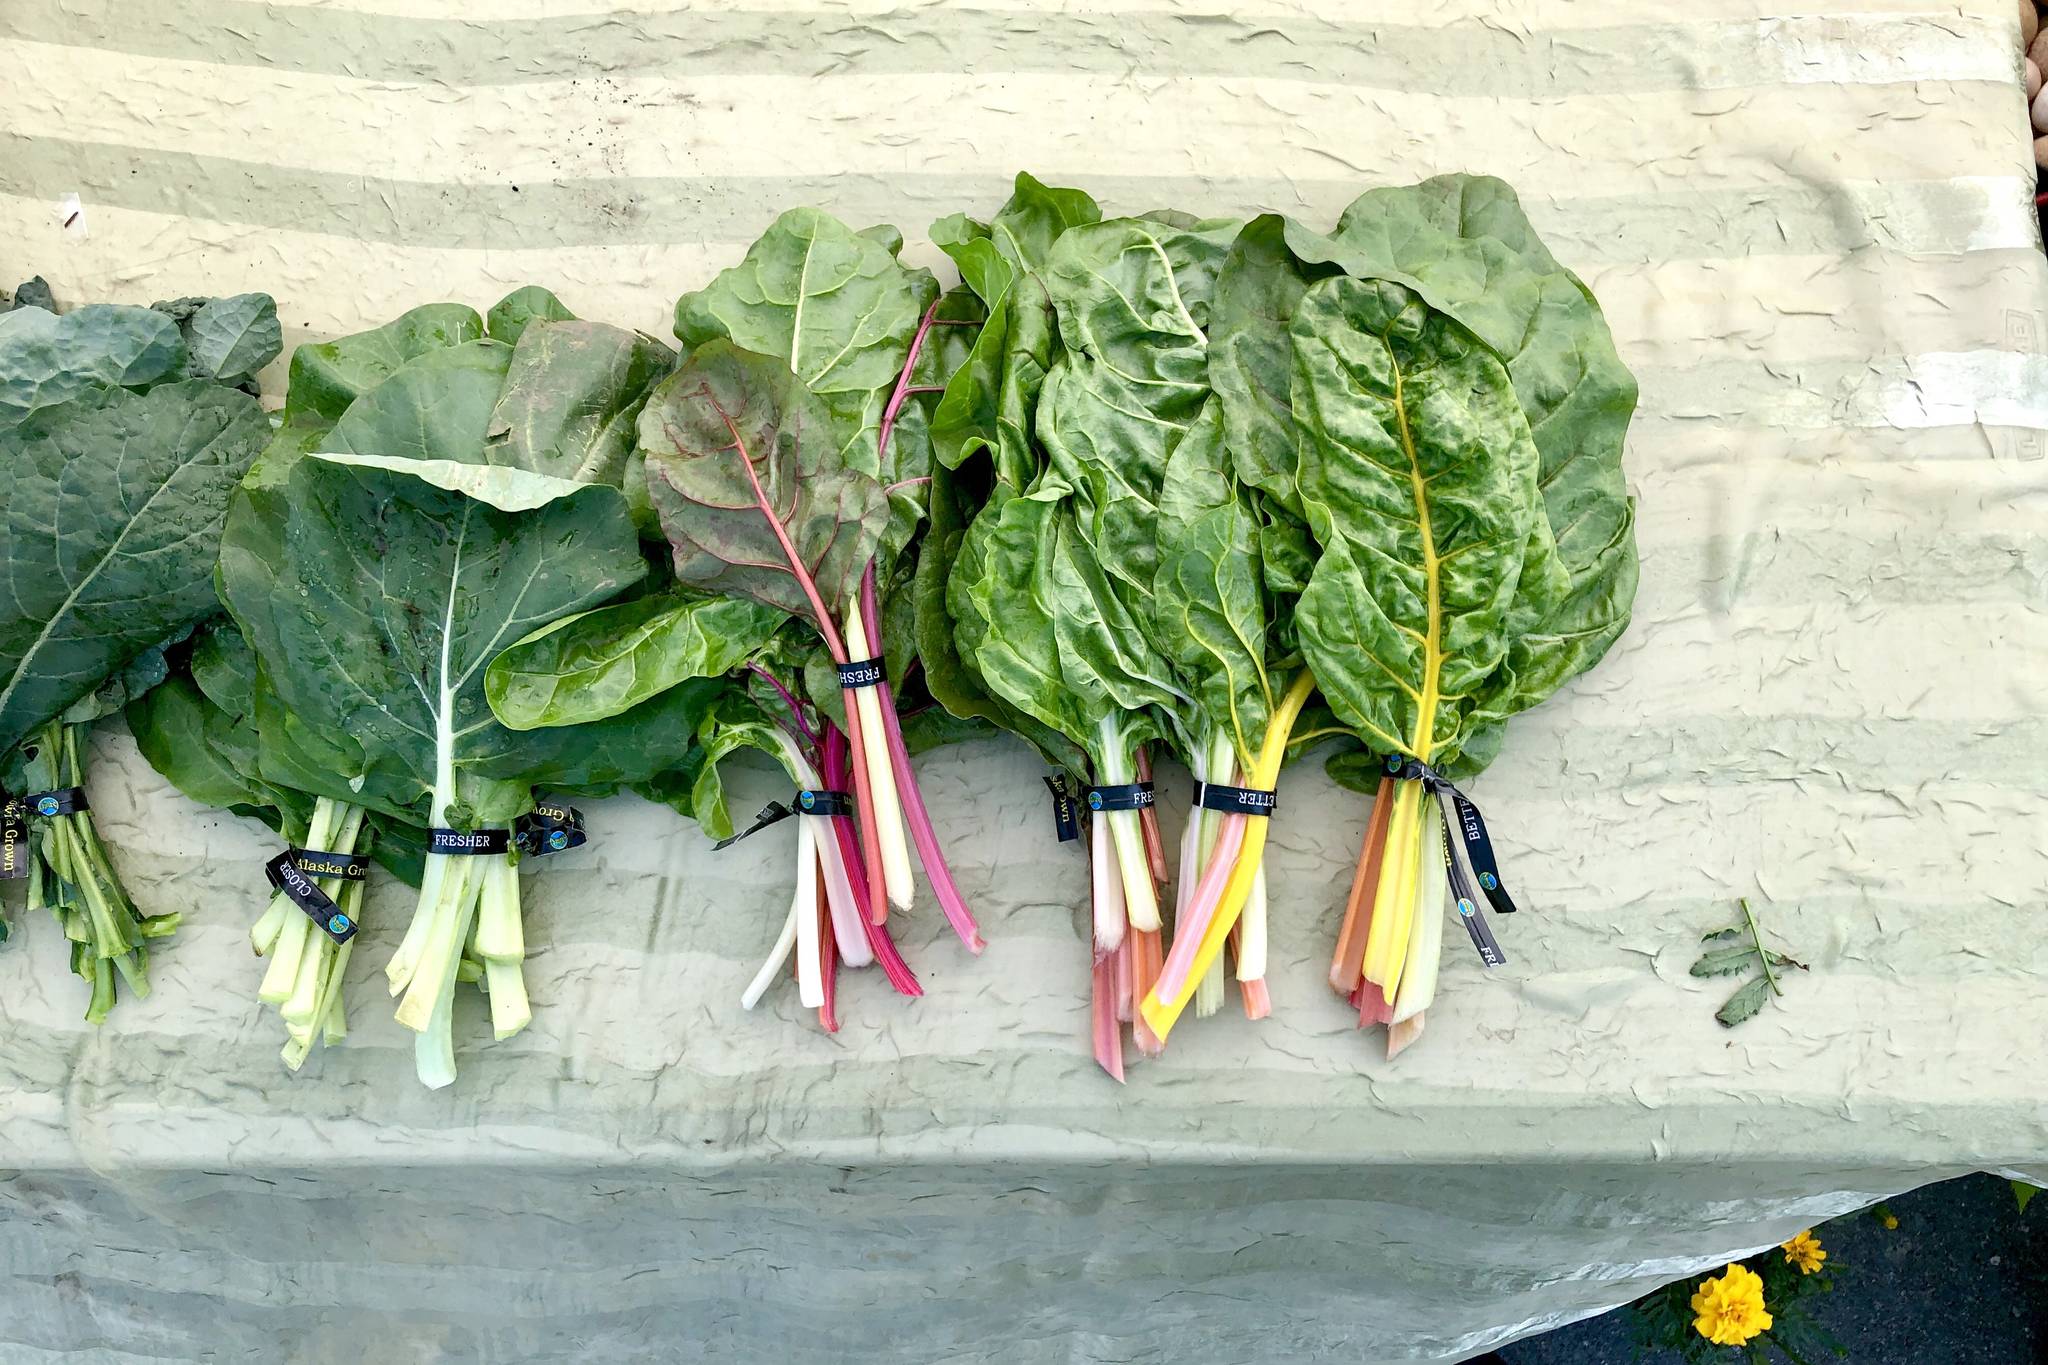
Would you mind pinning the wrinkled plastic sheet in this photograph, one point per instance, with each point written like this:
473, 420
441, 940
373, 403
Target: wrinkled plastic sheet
1813, 236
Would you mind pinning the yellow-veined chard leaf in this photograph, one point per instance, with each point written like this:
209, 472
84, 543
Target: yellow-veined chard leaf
1418, 475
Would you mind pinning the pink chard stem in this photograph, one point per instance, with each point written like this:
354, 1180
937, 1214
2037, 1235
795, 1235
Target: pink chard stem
864, 798
835, 755
1187, 936
922, 833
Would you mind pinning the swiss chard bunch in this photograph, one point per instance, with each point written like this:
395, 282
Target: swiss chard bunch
789, 462
122, 433
1453, 422
599, 664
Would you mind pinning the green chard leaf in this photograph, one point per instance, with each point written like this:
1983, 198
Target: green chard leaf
1209, 602
987, 406
601, 663
833, 305
1467, 247
1132, 298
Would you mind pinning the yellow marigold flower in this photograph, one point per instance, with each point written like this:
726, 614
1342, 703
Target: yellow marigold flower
1891, 1221
1805, 1252
1730, 1307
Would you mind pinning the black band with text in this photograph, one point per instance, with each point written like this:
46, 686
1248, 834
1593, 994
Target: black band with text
1066, 821
1467, 901
862, 673
550, 827
468, 841
300, 889
1234, 800
13, 837
1123, 796
348, 867
1462, 815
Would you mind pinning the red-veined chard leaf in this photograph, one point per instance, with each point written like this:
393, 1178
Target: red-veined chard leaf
746, 475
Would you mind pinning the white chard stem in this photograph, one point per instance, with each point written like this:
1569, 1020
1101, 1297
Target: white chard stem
874, 742
1107, 888
810, 974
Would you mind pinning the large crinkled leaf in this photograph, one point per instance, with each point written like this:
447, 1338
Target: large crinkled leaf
832, 304
1045, 629
1418, 475
1471, 251
107, 544
1105, 646
1209, 605
1132, 297
46, 359
953, 680
598, 664
741, 462
326, 377
390, 598
1251, 366
1002, 600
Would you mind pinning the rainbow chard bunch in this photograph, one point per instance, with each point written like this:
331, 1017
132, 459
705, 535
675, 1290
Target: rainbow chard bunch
747, 657
1438, 405
1194, 473
788, 461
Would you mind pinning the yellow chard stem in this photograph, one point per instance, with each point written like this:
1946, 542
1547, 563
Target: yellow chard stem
1161, 1014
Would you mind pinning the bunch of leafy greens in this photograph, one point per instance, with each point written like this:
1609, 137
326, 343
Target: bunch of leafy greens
789, 463
122, 432
598, 664
201, 729
440, 488
1448, 449
1194, 472
1079, 597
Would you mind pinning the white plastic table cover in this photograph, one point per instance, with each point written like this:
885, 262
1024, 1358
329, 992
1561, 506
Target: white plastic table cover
1814, 239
